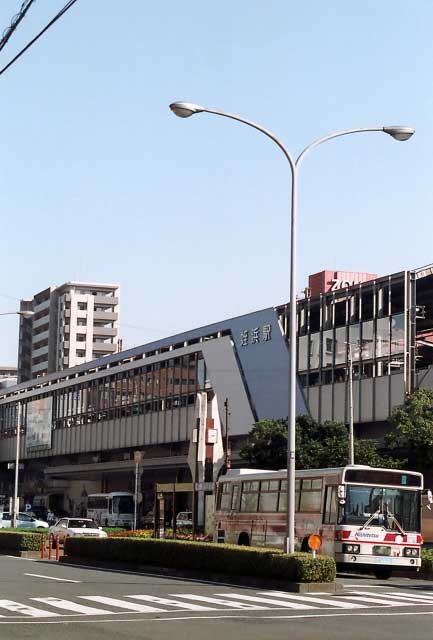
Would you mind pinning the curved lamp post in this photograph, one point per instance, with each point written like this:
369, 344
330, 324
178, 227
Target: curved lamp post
24, 314
187, 109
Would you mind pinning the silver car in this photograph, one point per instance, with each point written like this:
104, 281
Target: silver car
77, 527
24, 521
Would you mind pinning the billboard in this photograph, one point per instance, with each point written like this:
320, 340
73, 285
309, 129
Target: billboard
39, 419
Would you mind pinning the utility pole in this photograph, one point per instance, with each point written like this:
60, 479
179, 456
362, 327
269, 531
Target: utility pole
227, 443
350, 379
17, 469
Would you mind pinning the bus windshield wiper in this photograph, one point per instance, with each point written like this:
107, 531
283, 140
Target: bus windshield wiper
391, 516
371, 518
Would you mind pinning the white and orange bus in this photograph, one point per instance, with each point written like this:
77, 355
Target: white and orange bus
364, 515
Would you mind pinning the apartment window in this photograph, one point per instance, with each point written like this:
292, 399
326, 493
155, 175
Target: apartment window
81, 322
82, 306
80, 353
81, 337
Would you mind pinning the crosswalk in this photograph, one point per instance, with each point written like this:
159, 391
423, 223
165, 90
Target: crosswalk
107, 605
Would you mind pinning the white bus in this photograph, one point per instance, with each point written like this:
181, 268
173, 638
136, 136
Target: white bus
115, 509
364, 515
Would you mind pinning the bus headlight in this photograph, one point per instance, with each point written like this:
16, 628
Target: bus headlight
351, 548
411, 552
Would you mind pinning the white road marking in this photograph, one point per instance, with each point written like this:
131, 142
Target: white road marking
173, 603
18, 558
10, 605
377, 600
121, 604
239, 616
228, 601
334, 603
38, 575
410, 596
60, 603
269, 601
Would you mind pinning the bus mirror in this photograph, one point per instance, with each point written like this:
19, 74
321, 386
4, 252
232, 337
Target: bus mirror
341, 491
430, 496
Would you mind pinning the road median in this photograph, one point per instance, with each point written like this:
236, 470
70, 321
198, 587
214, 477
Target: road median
297, 572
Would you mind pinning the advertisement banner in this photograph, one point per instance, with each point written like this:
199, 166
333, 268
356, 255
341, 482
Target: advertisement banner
39, 419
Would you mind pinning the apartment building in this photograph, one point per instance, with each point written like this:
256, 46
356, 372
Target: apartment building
71, 324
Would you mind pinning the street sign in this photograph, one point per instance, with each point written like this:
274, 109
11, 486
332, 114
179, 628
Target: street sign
28, 507
11, 465
138, 457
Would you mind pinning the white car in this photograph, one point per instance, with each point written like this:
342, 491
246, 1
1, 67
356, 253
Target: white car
77, 527
184, 519
24, 521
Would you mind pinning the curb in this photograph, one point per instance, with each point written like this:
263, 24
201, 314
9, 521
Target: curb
240, 581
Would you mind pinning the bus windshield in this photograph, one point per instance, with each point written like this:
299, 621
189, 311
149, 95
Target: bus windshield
123, 504
363, 502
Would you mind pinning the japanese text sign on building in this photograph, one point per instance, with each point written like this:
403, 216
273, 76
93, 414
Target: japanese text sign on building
256, 335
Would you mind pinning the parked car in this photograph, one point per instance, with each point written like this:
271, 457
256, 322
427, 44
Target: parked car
148, 520
184, 519
24, 521
77, 527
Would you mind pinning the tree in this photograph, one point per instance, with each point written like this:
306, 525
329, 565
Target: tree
317, 446
266, 447
412, 429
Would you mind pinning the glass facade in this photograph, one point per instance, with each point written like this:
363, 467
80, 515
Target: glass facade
161, 386
369, 317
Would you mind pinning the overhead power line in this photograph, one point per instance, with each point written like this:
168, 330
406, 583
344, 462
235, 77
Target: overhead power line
61, 13
15, 22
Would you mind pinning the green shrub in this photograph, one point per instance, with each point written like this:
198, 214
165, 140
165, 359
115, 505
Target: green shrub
207, 557
427, 563
18, 541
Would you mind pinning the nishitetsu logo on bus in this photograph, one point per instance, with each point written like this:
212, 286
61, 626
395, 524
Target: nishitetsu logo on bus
370, 535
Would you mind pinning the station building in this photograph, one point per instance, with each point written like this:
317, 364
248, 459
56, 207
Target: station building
180, 399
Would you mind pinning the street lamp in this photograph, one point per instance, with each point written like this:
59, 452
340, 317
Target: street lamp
23, 314
187, 109
26, 314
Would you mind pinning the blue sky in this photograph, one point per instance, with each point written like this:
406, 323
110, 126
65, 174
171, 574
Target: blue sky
99, 181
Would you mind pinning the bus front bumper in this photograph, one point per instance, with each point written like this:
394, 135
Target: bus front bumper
392, 562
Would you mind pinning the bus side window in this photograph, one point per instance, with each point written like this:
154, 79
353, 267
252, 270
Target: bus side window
235, 498
110, 505
330, 510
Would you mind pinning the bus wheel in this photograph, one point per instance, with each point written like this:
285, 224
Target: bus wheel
244, 539
382, 574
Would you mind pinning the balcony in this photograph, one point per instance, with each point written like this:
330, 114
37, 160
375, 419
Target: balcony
41, 306
105, 347
43, 351
105, 300
105, 332
105, 315
40, 336
41, 321
42, 367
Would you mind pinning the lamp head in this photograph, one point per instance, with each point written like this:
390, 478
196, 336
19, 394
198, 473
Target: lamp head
26, 314
185, 109
399, 133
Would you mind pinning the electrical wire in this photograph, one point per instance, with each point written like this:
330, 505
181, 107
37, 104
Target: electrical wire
25, 6
66, 8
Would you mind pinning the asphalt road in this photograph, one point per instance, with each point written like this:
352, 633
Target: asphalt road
52, 601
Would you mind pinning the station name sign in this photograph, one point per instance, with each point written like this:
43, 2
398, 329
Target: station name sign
256, 335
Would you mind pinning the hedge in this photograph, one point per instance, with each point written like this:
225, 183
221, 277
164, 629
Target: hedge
206, 557
427, 564
18, 541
